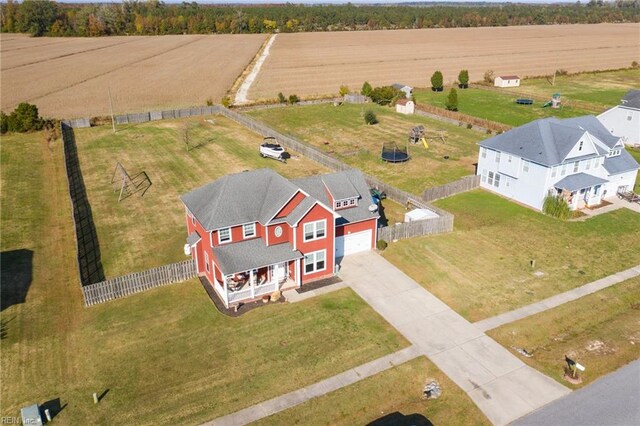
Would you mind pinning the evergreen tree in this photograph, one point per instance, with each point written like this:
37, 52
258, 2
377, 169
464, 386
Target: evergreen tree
437, 81
366, 89
463, 79
452, 100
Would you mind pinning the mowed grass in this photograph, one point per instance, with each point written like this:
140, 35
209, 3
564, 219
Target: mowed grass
602, 89
495, 106
392, 395
483, 268
600, 331
142, 232
342, 132
165, 356
635, 153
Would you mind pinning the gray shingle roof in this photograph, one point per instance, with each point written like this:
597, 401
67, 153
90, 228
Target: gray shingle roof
300, 210
239, 198
193, 238
632, 99
579, 181
621, 163
346, 184
548, 141
252, 254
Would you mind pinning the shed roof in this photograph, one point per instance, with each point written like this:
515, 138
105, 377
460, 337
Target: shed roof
509, 77
579, 181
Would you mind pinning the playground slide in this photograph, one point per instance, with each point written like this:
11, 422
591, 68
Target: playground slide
546, 104
424, 142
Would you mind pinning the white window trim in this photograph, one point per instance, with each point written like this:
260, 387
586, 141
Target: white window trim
315, 261
483, 152
525, 166
206, 261
226, 241
315, 230
244, 230
496, 180
498, 157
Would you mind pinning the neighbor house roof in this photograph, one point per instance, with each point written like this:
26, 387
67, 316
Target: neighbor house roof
631, 99
400, 86
509, 77
548, 141
621, 163
239, 198
579, 181
252, 254
341, 185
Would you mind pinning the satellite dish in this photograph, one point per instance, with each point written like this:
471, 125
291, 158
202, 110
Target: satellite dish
373, 208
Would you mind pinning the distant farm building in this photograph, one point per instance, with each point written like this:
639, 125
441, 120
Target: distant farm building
507, 81
624, 120
405, 106
355, 98
408, 90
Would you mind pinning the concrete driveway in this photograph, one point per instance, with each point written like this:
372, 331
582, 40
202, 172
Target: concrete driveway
501, 385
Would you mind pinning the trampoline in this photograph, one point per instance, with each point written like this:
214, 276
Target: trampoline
392, 154
524, 101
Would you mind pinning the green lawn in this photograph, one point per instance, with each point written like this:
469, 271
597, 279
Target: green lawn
143, 232
342, 132
601, 89
166, 356
395, 391
635, 152
600, 331
496, 106
483, 267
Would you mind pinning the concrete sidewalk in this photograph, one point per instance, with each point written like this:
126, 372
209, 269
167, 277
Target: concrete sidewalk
557, 300
501, 385
349, 377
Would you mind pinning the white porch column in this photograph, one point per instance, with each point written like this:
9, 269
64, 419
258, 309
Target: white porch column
226, 291
253, 285
298, 273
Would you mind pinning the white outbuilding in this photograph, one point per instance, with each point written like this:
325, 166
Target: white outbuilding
419, 214
507, 81
405, 106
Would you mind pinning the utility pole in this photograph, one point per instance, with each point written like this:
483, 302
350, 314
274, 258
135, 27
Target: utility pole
113, 121
553, 82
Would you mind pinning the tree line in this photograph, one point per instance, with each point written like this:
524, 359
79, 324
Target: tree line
152, 17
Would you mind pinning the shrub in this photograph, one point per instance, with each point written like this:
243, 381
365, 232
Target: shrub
635, 64
226, 101
469, 126
463, 78
488, 76
452, 100
281, 98
385, 95
24, 118
4, 123
437, 81
370, 117
381, 245
209, 101
488, 131
562, 72
556, 207
366, 89
344, 90
293, 99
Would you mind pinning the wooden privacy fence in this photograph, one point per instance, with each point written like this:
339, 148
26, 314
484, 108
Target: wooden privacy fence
137, 282
467, 183
464, 118
436, 225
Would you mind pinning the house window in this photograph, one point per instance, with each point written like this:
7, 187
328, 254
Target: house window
563, 170
497, 157
629, 116
580, 145
484, 175
554, 171
224, 235
525, 166
588, 165
509, 158
315, 230
315, 262
596, 190
490, 178
576, 166
206, 261
352, 202
483, 152
249, 230
193, 219
496, 182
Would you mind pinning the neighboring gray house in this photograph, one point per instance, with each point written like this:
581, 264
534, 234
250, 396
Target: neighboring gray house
576, 158
408, 90
624, 120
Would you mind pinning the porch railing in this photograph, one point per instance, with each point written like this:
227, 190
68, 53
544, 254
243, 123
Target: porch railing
244, 294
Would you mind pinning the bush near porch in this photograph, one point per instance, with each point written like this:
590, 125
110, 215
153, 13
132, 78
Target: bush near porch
482, 268
165, 356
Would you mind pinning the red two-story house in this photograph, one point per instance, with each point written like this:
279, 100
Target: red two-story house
255, 232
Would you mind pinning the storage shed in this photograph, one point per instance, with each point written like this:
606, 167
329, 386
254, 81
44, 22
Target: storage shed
507, 81
419, 214
405, 106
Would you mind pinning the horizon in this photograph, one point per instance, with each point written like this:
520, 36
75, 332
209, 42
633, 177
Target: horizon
333, 2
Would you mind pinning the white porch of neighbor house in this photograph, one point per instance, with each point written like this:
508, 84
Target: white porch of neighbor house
581, 190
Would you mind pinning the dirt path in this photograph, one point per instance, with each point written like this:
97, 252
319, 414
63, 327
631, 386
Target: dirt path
241, 96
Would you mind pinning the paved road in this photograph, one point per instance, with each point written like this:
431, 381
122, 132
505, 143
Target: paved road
500, 384
614, 400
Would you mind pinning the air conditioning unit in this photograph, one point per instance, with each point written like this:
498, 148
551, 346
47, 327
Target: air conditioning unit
187, 250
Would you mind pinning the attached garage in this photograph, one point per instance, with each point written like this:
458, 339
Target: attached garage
355, 242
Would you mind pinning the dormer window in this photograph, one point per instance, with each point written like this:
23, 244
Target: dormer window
614, 152
342, 204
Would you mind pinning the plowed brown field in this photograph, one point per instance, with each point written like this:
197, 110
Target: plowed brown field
71, 77
318, 63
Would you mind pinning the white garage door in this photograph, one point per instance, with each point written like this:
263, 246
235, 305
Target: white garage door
353, 243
